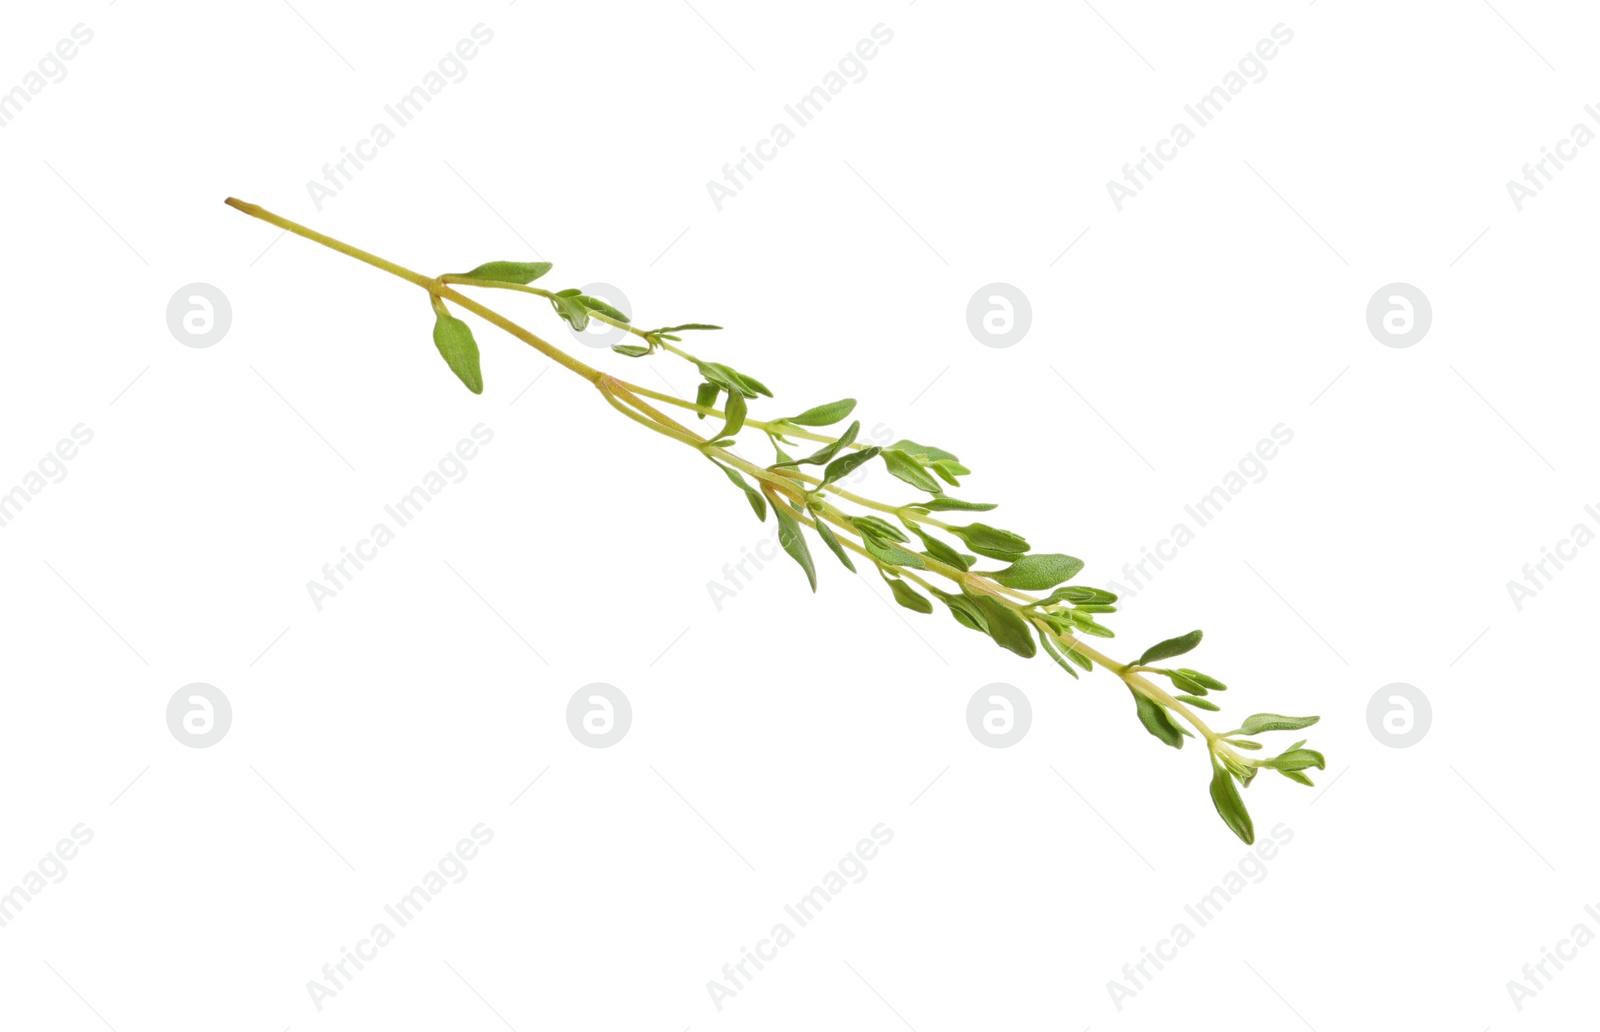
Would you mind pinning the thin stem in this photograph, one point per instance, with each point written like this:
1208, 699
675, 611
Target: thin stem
256, 211
773, 426
626, 398
667, 345
616, 392
622, 390
902, 511
606, 386
539, 344
468, 281
1148, 688
428, 283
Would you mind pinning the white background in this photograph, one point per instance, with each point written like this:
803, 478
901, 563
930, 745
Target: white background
772, 734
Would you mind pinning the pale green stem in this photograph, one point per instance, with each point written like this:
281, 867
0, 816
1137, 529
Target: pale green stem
616, 392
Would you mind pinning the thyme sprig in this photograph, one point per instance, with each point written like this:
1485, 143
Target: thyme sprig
1024, 605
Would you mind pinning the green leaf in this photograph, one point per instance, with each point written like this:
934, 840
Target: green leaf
880, 528
847, 464
944, 503
941, 551
1061, 623
948, 471
721, 376
827, 452
507, 272
687, 326
454, 340
733, 381
910, 470
908, 597
1225, 794
1295, 775
570, 308
1038, 572
791, 538
991, 541
1085, 623
1006, 627
706, 397
734, 414
594, 304
966, 613
894, 555
826, 534
1157, 720
1296, 759
1171, 647
824, 415
1196, 677
752, 384
1256, 723
1199, 703
757, 502
1054, 653
1076, 656
1079, 596
631, 350
921, 452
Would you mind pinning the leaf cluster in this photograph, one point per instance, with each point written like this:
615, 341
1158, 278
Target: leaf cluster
1025, 604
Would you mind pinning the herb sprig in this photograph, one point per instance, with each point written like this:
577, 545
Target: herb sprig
1024, 604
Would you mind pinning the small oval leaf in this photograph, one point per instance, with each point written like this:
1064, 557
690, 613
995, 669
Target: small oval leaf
911, 471
1256, 723
1038, 572
1225, 795
825, 415
1171, 647
907, 596
507, 272
454, 340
